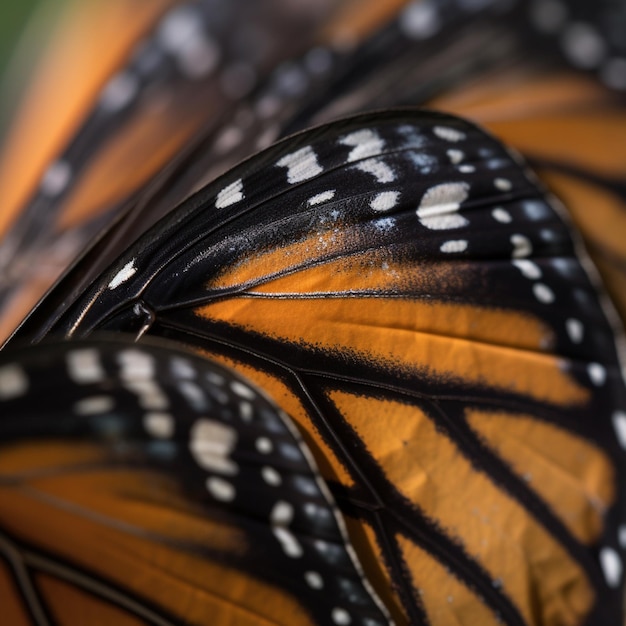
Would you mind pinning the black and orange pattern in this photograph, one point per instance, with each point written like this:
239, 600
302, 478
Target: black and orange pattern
423, 306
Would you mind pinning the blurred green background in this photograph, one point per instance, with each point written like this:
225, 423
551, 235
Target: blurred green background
13, 17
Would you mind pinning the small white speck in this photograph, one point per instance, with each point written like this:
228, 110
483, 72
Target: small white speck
56, 179
271, 476
341, 616
364, 142
621, 535
503, 184
13, 382
264, 445
127, 272
528, 268
136, 365
597, 374
420, 20
211, 444
467, 169
159, 425
575, 330
439, 205
231, 194
84, 366
385, 201
501, 215
320, 198
611, 566
455, 156
119, 92
449, 134
243, 391
280, 517
95, 405
543, 293
583, 45
459, 245
182, 368
522, 246
301, 165
221, 489
228, 138
378, 169
619, 424
314, 580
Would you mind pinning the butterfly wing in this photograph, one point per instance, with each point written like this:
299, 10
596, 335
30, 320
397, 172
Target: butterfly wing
189, 498
412, 299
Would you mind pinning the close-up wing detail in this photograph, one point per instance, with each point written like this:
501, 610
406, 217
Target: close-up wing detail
170, 489
313, 313
408, 293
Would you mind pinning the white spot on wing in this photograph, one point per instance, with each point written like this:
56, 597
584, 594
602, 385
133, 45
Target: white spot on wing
503, 184
449, 134
365, 142
127, 272
543, 293
619, 424
314, 580
264, 445
439, 205
136, 364
455, 156
211, 443
301, 165
384, 201
575, 329
583, 45
528, 268
159, 425
341, 617
611, 566
378, 169
95, 405
501, 215
231, 194
280, 517
84, 366
119, 92
13, 382
459, 245
56, 179
325, 196
271, 476
597, 373
522, 246
420, 20
221, 489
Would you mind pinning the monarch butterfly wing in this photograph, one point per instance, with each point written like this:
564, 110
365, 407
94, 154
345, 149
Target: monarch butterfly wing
172, 492
411, 298
174, 70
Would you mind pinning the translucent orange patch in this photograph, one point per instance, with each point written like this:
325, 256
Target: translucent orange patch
575, 477
409, 336
445, 599
13, 611
117, 524
69, 605
535, 571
